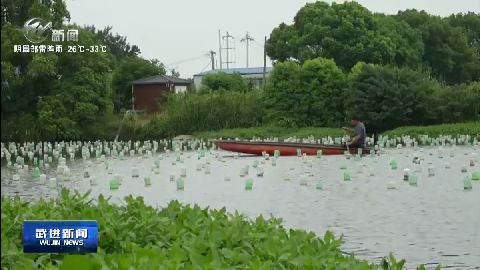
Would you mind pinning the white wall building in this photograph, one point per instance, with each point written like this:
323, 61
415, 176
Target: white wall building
255, 74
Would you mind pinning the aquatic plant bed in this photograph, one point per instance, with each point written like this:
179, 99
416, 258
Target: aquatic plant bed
136, 236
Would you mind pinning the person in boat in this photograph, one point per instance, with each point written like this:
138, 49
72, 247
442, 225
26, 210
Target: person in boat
360, 133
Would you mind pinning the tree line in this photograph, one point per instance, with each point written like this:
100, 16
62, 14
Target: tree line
332, 62
448, 48
339, 60
62, 95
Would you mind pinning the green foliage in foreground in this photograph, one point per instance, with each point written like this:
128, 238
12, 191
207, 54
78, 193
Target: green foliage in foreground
136, 236
472, 128
269, 132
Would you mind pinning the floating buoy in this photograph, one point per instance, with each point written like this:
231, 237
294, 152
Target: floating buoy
303, 180
412, 180
393, 164
391, 185
467, 183
114, 184
147, 181
319, 185
93, 181
53, 182
36, 172
180, 183
406, 173
249, 184
260, 172
135, 172
43, 178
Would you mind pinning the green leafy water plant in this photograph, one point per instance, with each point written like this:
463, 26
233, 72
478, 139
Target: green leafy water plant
133, 235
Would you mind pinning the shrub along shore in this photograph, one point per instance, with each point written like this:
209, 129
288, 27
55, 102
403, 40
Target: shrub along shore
471, 128
136, 236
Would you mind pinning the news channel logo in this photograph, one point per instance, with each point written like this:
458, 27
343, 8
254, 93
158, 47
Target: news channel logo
60, 236
37, 30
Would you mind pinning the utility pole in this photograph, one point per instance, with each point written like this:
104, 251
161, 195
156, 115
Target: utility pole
227, 37
212, 58
220, 48
246, 39
264, 61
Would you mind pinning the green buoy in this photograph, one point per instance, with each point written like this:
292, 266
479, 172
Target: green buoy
249, 184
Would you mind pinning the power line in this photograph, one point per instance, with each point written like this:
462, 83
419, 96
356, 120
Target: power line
206, 66
260, 45
188, 59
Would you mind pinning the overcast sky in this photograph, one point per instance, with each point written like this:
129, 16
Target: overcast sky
180, 33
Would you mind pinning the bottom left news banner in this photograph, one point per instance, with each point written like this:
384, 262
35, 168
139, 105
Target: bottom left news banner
60, 236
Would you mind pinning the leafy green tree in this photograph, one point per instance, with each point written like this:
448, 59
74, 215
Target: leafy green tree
54, 122
131, 69
117, 45
450, 44
282, 43
470, 23
308, 95
174, 73
223, 81
66, 94
448, 54
413, 17
80, 95
346, 32
387, 97
407, 41
459, 103
18, 12
326, 85
284, 94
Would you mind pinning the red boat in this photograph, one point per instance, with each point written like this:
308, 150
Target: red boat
285, 148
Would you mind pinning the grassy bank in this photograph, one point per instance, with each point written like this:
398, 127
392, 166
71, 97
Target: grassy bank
472, 128
264, 132
136, 236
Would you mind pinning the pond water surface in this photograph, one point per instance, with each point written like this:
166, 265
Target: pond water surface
435, 222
